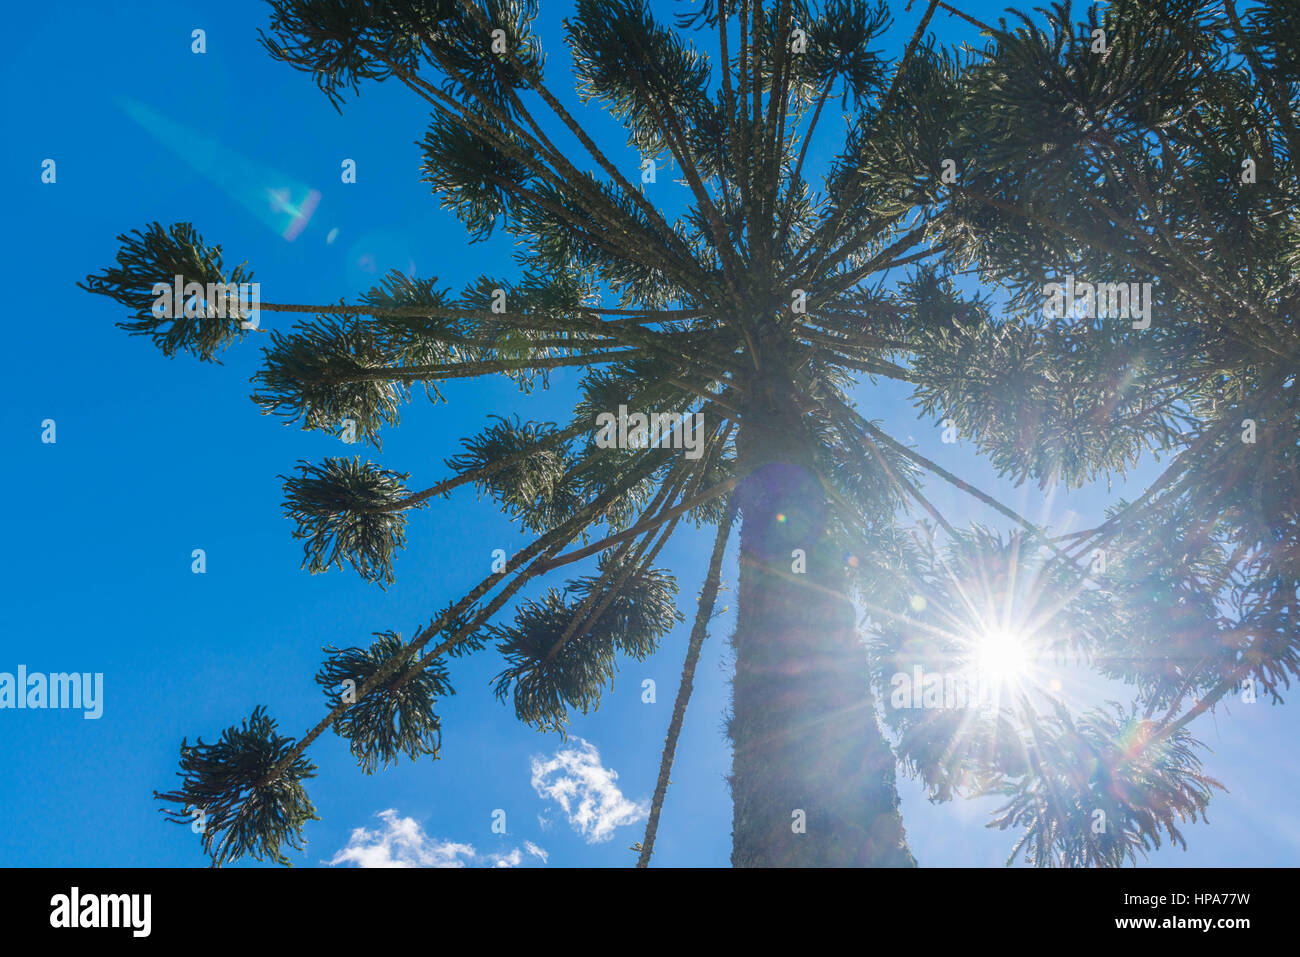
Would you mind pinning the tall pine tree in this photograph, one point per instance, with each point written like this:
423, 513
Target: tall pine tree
758, 310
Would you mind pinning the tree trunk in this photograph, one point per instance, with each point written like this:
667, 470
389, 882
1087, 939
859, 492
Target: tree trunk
803, 724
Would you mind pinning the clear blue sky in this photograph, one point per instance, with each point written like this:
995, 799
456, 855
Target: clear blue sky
155, 458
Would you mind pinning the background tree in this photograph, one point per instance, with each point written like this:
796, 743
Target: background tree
1152, 142
757, 308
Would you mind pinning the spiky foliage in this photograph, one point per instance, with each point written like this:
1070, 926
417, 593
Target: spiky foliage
1096, 790
1178, 168
1102, 788
397, 716
147, 266
246, 789
560, 651
766, 300
349, 512
532, 486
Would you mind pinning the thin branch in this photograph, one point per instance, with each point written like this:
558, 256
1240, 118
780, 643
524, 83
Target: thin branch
699, 631
722, 487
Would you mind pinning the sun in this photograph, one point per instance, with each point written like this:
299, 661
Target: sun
1001, 654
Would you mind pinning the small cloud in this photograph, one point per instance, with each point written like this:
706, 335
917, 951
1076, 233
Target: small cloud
402, 842
536, 851
513, 859
575, 779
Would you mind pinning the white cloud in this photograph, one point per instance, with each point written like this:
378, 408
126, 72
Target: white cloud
513, 859
575, 779
401, 842
536, 851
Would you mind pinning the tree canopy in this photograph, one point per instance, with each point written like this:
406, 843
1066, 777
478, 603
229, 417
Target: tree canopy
1160, 153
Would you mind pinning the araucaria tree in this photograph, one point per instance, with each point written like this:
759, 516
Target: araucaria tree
715, 391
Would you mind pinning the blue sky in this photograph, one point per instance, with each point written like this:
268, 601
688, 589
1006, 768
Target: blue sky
155, 458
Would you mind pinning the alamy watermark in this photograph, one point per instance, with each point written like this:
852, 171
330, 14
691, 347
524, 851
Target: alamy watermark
75, 909
57, 690
213, 300
669, 430
1103, 300
943, 689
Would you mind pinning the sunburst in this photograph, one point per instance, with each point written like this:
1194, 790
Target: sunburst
1002, 655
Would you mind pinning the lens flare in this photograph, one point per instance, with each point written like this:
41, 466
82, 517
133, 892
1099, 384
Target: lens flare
282, 202
1001, 655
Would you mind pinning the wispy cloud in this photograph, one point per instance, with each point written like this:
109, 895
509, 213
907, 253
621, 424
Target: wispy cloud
513, 859
402, 842
586, 791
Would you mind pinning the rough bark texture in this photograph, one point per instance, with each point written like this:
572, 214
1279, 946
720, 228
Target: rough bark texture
803, 723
